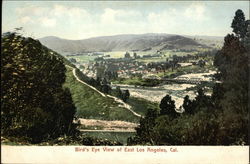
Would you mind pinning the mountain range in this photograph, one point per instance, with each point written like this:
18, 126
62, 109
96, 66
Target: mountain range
130, 42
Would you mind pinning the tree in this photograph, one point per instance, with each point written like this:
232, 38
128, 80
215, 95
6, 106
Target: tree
100, 71
145, 130
239, 24
104, 81
118, 91
201, 63
34, 104
166, 131
188, 105
73, 60
233, 64
217, 95
105, 88
173, 64
234, 71
127, 55
135, 55
167, 107
125, 95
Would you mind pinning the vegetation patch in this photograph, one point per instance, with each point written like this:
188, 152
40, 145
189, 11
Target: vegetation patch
34, 104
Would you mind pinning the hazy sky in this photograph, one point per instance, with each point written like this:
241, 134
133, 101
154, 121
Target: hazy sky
84, 19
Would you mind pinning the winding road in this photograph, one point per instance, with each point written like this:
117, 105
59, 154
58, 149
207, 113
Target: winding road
123, 104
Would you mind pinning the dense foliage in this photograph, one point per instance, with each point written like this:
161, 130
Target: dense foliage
167, 107
220, 119
34, 104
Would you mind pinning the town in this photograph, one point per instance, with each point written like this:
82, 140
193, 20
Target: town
127, 67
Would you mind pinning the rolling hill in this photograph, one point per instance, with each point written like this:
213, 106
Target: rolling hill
126, 42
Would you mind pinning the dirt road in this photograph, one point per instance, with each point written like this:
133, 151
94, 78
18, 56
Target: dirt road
122, 104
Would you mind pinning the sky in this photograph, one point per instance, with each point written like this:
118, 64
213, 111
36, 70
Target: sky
85, 19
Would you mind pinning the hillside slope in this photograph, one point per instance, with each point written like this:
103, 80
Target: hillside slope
126, 42
92, 105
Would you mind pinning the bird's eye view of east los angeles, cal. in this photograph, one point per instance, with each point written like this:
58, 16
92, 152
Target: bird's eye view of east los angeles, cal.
125, 73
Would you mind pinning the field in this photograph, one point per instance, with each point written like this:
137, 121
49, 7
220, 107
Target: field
186, 70
84, 58
149, 60
116, 54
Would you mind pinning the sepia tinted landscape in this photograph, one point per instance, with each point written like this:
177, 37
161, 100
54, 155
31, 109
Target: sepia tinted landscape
122, 74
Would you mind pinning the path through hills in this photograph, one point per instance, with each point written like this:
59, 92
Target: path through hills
122, 104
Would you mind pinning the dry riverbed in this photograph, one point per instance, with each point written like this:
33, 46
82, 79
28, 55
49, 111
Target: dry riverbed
176, 91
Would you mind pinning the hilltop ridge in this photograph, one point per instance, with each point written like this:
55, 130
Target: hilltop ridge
129, 42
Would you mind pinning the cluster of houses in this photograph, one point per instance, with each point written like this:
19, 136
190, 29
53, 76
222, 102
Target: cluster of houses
128, 66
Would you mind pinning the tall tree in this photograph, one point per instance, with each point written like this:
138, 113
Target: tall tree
233, 64
127, 55
135, 55
167, 107
125, 95
145, 130
239, 24
234, 71
188, 105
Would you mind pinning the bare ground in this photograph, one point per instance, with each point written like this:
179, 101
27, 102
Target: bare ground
110, 126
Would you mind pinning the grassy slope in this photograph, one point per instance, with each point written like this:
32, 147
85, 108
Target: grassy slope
140, 105
91, 104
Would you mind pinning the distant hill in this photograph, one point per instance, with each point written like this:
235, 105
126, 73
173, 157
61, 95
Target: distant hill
211, 41
126, 42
